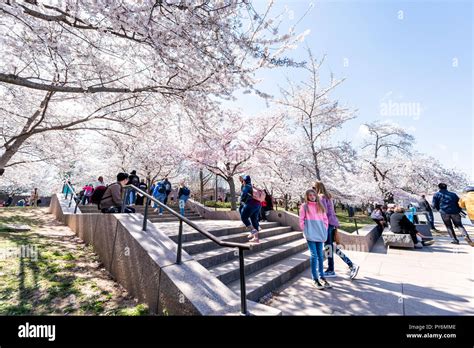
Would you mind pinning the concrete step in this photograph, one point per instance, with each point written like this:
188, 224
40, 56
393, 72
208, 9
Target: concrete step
165, 215
215, 257
193, 236
273, 276
203, 245
87, 209
230, 271
140, 208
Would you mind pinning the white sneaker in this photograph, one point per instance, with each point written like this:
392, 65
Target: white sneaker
418, 245
160, 214
354, 270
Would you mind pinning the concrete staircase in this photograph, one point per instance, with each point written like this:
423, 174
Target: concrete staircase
280, 255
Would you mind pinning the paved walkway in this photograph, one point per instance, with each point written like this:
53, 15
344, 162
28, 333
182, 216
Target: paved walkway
437, 280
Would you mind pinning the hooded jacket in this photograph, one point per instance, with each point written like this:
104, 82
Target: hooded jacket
313, 222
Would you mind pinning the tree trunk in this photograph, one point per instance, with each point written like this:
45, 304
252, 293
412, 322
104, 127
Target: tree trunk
201, 186
233, 199
10, 151
286, 201
316, 163
14, 144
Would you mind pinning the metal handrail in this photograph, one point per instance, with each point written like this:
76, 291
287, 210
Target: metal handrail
240, 246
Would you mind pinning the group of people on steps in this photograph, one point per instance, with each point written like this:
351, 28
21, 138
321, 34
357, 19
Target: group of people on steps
109, 198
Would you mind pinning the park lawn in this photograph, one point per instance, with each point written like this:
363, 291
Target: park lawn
346, 224
66, 277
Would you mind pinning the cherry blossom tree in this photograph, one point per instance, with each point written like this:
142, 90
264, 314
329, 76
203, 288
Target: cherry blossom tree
387, 147
317, 116
86, 64
228, 143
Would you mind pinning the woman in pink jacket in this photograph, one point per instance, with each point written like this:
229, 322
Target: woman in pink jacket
326, 200
314, 223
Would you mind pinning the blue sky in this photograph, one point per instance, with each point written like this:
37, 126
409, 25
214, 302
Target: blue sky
416, 54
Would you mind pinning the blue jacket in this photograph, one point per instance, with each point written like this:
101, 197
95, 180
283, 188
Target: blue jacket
160, 186
446, 202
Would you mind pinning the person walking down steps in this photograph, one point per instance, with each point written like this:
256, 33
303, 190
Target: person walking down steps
183, 196
314, 223
249, 209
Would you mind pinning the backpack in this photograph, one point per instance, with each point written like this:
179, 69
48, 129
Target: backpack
185, 191
102, 194
98, 194
258, 194
135, 181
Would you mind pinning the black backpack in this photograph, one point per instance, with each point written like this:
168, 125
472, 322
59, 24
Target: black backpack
134, 180
185, 191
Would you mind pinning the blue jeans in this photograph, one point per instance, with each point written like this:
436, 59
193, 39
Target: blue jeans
249, 215
329, 248
132, 196
449, 220
316, 259
161, 197
430, 219
182, 204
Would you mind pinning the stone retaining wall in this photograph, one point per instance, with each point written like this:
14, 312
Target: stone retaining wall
144, 262
211, 214
364, 241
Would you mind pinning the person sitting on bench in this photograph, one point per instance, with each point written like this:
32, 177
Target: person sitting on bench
399, 223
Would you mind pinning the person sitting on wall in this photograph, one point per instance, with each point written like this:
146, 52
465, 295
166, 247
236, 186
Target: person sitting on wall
400, 224
111, 201
378, 217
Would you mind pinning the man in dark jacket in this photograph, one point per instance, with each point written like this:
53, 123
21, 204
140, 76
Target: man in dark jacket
134, 180
168, 189
426, 207
447, 203
399, 223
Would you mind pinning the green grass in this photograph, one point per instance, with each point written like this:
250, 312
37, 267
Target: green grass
347, 224
59, 281
17, 220
214, 204
138, 310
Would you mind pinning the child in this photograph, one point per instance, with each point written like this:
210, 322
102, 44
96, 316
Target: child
314, 223
326, 200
